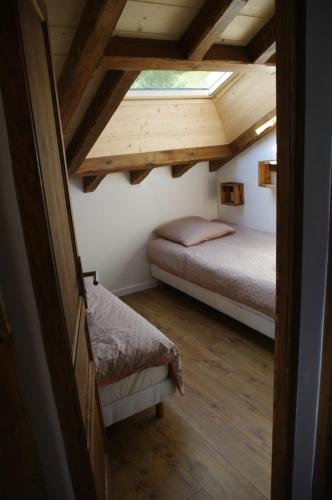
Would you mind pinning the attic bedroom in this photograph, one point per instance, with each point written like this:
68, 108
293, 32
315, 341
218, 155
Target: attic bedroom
155, 140
144, 184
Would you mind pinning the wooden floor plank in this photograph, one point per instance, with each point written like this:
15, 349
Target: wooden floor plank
215, 442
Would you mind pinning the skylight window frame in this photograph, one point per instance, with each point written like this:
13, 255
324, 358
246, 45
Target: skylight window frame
179, 93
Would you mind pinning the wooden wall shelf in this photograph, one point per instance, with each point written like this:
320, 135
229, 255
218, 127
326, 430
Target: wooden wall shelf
267, 173
232, 193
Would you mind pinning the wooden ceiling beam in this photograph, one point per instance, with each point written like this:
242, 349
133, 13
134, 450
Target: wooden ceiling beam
210, 22
263, 46
97, 24
91, 183
138, 161
216, 164
137, 54
137, 176
107, 99
246, 139
180, 170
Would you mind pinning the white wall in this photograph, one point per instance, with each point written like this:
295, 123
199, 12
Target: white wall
115, 222
259, 209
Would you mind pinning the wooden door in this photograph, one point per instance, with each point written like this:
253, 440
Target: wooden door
40, 172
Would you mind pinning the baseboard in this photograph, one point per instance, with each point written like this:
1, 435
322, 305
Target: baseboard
138, 287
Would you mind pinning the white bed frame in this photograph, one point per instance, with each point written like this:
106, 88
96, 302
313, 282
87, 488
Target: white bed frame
240, 312
139, 401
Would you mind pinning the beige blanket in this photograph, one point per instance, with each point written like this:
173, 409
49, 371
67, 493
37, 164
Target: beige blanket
123, 342
240, 266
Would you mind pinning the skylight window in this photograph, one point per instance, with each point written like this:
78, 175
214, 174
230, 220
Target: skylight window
173, 83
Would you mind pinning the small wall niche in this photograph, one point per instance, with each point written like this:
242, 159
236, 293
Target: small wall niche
232, 193
267, 173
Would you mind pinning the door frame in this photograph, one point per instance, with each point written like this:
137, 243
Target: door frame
290, 160
302, 41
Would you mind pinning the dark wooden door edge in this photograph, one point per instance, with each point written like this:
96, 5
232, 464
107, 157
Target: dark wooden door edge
290, 153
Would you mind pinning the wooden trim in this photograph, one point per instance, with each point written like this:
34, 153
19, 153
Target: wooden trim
25, 165
97, 23
245, 140
91, 183
138, 54
290, 159
59, 131
106, 101
210, 22
263, 45
138, 161
180, 170
137, 176
77, 330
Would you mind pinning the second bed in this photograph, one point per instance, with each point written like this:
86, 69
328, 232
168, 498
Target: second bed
235, 274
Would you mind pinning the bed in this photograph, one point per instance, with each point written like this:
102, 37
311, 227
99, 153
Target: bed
137, 367
235, 274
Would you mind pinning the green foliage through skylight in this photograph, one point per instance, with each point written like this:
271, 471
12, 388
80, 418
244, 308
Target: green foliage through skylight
179, 80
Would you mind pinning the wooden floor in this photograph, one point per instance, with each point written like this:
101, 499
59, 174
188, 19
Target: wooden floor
215, 442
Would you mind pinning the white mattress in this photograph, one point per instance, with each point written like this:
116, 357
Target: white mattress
133, 384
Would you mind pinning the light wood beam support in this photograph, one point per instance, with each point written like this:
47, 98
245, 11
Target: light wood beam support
180, 170
247, 139
263, 46
107, 99
138, 54
91, 183
138, 161
97, 24
208, 25
137, 176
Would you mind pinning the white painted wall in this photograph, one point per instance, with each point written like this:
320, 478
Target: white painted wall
114, 223
259, 209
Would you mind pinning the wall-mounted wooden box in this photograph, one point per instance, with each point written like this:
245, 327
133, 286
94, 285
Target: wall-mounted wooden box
267, 173
231, 193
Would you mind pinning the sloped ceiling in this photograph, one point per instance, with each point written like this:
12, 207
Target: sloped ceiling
139, 126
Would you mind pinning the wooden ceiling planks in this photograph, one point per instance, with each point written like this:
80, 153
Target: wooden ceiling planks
93, 170
195, 50
166, 20
245, 140
97, 23
208, 25
102, 107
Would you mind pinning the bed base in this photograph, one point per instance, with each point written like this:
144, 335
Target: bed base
240, 312
134, 403
160, 410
